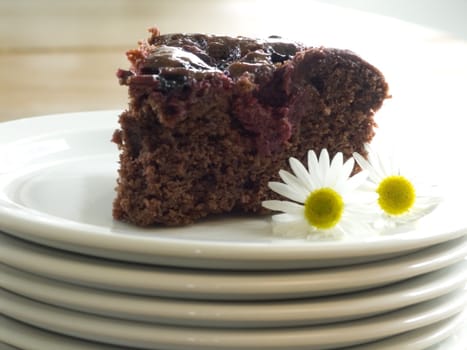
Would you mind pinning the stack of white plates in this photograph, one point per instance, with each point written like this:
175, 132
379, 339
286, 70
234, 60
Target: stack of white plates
72, 278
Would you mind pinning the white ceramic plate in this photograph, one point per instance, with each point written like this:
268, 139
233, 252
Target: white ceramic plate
449, 334
57, 179
223, 285
5, 346
235, 314
21, 336
150, 335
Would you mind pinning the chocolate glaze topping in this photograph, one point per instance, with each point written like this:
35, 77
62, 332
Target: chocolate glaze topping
173, 57
176, 61
200, 52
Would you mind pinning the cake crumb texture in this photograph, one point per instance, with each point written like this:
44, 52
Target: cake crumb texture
212, 119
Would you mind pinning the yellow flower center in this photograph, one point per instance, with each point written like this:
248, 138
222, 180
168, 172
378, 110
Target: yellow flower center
396, 195
324, 208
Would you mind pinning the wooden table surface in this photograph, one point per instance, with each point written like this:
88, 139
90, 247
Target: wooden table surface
61, 56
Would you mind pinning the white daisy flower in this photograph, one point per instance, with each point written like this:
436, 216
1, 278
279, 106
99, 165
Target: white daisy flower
400, 199
325, 201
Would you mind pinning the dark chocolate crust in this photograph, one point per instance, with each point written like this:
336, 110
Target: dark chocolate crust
212, 119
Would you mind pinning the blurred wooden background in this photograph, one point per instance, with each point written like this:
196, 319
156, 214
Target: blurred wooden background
61, 56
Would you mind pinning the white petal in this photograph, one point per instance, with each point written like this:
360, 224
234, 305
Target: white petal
357, 180
324, 164
344, 174
312, 160
347, 168
377, 161
288, 191
364, 164
301, 172
382, 165
428, 201
362, 197
284, 206
385, 160
289, 225
337, 161
292, 181
334, 170
374, 175
356, 228
298, 228
272, 204
420, 210
361, 212
314, 170
286, 218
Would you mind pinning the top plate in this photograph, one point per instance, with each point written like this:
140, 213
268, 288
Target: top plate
57, 179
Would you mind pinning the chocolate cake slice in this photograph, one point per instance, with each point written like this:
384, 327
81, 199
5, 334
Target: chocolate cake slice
212, 119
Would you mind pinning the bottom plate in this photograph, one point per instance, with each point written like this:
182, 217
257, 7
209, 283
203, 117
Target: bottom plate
448, 334
5, 346
147, 336
15, 335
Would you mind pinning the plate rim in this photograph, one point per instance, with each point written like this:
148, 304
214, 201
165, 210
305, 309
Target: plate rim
455, 327
214, 313
413, 317
221, 285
